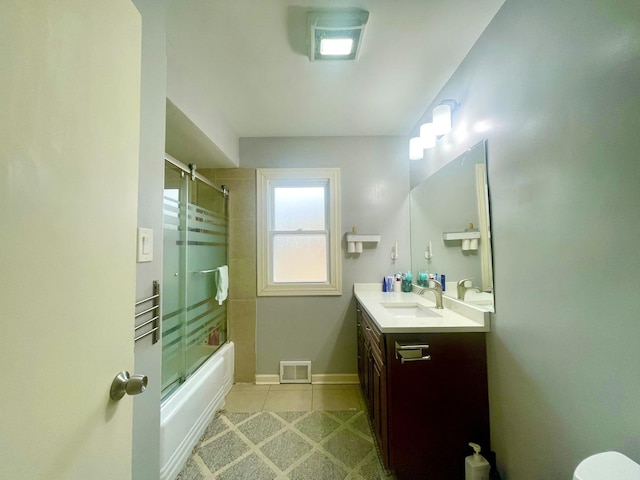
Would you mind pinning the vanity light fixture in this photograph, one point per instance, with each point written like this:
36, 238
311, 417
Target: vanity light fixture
428, 135
416, 150
429, 132
442, 119
336, 33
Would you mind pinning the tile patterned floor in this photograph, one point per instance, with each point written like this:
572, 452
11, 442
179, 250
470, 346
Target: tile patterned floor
288, 432
293, 397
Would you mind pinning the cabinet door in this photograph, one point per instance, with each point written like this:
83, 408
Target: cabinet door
360, 339
378, 407
437, 406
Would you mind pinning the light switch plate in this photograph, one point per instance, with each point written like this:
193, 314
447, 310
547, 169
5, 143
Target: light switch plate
145, 245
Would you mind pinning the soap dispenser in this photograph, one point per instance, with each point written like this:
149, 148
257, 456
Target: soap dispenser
476, 466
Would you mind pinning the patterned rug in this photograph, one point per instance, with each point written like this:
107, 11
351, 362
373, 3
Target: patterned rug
286, 446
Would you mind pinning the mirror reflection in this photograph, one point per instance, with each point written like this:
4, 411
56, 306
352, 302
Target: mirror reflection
450, 228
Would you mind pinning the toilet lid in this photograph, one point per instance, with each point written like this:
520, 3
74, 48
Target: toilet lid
607, 466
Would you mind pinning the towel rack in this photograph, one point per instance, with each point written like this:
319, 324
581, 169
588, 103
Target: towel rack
154, 311
209, 271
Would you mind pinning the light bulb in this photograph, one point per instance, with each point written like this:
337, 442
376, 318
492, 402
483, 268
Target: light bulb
442, 119
427, 135
416, 152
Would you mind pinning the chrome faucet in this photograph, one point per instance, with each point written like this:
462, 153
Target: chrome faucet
462, 288
437, 291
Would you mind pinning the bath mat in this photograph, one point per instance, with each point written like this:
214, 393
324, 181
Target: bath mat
286, 446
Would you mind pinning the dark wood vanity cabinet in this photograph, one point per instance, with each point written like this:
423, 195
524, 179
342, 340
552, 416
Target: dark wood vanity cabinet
373, 378
425, 410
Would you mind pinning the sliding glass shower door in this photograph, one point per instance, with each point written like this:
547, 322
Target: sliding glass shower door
194, 323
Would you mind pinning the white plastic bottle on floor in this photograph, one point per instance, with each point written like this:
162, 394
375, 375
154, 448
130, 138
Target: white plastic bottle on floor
476, 466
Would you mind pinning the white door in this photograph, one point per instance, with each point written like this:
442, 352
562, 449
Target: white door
69, 134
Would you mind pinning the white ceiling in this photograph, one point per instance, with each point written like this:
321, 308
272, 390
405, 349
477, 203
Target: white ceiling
246, 61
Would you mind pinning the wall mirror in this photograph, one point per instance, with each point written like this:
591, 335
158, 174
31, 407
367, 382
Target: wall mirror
451, 228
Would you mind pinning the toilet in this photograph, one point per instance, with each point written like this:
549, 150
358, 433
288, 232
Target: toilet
607, 466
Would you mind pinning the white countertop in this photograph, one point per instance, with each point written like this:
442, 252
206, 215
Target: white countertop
456, 316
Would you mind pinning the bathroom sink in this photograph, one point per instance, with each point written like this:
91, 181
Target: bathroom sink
409, 310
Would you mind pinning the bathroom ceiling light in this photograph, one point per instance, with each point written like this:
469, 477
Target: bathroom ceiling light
336, 34
336, 46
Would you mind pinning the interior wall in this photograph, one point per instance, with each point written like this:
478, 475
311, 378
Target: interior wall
241, 183
553, 86
148, 356
375, 179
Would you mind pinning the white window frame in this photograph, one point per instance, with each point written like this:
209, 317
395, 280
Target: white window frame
266, 180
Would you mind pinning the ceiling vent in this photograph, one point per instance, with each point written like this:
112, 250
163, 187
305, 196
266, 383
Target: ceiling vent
336, 34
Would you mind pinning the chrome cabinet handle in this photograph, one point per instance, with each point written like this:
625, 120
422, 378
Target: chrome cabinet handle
125, 383
411, 353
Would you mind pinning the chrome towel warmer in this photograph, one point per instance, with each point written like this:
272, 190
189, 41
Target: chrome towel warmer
154, 311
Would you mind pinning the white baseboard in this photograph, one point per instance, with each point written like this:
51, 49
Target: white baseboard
335, 379
318, 379
267, 379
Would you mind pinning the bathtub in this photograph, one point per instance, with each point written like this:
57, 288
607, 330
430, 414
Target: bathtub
184, 416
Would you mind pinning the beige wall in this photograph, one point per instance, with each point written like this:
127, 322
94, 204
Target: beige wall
554, 87
242, 267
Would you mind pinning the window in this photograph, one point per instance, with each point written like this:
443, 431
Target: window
298, 231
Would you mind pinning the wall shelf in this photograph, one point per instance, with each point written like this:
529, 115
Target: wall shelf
363, 237
461, 235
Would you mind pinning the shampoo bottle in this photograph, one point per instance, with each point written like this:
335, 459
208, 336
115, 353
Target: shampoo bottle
476, 466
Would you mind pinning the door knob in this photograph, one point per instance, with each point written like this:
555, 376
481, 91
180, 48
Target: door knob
125, 383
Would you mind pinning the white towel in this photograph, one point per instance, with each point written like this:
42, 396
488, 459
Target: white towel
222, 282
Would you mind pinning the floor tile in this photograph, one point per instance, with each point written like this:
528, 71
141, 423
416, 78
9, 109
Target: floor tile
288, 401
291, 386
222, 451
216, 427
190, 471
238, 417
291, 417
249, 468
372, 469
318, 467
317, 426
350, 449
331, 386
361, 424
248, 387
342, 399
261, 427
284, 450
245, 401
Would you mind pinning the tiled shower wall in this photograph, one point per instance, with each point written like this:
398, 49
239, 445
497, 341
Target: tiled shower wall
242, 267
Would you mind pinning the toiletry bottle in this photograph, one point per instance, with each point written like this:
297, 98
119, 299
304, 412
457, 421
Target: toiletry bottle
476, 466
384, 284
397, 284
443, 281
408, 280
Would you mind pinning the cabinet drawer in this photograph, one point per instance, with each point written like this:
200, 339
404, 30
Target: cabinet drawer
373, 335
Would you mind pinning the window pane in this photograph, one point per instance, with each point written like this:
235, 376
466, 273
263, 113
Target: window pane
299, 208
299, 258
